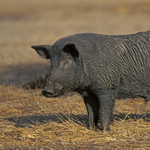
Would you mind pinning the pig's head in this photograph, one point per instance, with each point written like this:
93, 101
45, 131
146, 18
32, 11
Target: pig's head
66, 71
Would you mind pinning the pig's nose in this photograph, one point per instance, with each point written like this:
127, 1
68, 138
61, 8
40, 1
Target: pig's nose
47, 93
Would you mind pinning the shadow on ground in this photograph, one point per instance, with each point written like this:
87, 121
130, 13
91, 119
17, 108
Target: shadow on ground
145, 117
59, 118
24, 121
20, 74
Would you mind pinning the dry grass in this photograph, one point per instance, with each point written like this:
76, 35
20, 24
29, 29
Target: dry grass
30, 121
25, 23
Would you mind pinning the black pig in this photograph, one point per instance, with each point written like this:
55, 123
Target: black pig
101, 68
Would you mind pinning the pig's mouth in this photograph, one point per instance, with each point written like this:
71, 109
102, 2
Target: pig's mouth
47, 93
51, 94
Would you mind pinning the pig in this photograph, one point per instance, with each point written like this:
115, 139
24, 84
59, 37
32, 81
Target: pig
102, 68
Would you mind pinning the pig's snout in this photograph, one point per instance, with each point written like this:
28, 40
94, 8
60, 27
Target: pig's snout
52, 90
47, 93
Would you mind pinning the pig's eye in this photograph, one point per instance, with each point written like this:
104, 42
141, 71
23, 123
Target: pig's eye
65, 64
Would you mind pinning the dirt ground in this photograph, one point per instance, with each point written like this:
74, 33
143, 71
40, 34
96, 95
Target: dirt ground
28, 120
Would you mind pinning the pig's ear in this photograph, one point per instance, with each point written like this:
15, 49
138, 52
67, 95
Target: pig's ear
43, 50
71, 49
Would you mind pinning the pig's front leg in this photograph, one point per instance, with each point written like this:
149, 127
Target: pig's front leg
106, 103
92, 105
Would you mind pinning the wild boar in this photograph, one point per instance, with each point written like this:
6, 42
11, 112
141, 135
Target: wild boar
101, 68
